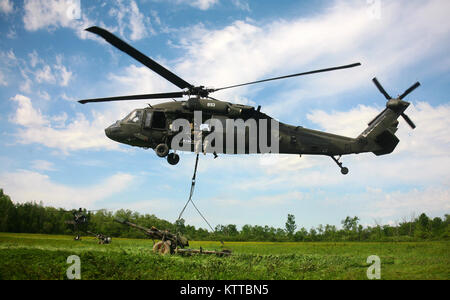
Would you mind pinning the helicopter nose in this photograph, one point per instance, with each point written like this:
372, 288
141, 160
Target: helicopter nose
108, 132
112, 131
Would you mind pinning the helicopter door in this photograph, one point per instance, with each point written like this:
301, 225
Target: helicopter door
159, 120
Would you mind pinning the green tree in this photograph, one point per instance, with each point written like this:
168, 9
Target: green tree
179, 225
7, 212
290, 225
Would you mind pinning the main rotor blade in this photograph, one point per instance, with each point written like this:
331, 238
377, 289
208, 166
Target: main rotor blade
412, 88
381, 89
408, 120
135, 97
288, 76
150, 63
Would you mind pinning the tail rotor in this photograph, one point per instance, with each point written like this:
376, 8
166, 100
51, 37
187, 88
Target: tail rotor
395, 103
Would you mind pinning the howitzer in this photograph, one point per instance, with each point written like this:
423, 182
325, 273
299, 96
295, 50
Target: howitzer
102, 239
168, 241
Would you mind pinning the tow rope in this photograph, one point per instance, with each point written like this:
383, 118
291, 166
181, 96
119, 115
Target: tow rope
190, 198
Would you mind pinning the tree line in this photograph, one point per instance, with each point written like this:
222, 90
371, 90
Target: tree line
33, 217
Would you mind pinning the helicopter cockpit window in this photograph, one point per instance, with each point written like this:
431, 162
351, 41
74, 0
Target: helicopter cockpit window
134, 117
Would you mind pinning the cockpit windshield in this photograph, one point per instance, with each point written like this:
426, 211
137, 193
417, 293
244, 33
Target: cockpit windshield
134, 117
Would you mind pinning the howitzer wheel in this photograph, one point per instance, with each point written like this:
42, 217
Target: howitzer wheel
162, 248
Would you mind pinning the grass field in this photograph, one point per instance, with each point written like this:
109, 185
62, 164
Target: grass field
34, 256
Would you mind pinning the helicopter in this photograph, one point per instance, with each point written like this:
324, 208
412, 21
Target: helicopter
152, 126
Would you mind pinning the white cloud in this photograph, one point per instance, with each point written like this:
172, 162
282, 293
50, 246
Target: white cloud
56, 132
348, 123
34, 67
55, 74
6, 6
241, 4
43, 95
129, 17
258, 201
200, 4
45, 75
43, 14
50, 15
246, 51
137, 80
432, 200
42, 165
12, 34
26, 115
34, 59
25, 186
137, 25
7, 60
3, 79
65, 76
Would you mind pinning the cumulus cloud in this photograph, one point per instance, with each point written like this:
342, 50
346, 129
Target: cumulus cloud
50, 15
246, 50
200, 4
241, 4
258, 201
431, 200
43, 14
42, 165
45, 73
26, 115
6, 6
34, 70
3, 79
130, 17
348, 123
26, 186
7, 60
139, 79
57, 132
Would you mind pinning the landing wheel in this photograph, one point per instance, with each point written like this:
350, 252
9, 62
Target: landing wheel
344, 171
173, 158
162, 150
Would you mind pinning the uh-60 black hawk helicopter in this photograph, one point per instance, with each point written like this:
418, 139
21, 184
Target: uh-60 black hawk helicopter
151, 127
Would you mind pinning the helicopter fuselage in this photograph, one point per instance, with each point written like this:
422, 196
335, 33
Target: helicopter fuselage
152, 126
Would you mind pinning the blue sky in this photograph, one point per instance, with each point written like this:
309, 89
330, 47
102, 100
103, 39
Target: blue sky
54, 150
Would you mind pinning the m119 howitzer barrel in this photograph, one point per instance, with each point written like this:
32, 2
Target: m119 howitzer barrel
156, 234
